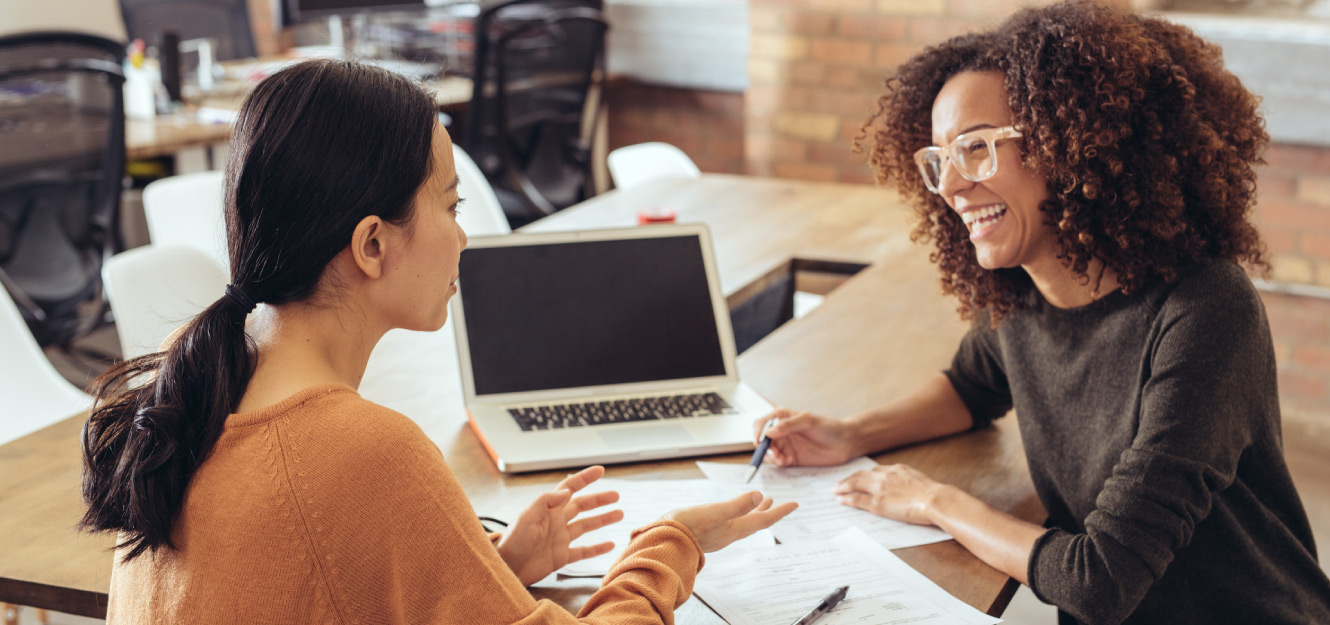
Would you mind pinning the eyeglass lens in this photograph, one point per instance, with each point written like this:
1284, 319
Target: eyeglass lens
973, 155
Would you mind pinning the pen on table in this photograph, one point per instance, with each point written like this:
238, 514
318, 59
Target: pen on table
824, 606
760, 452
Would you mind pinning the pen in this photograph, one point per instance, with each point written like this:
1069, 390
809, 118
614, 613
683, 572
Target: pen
824, 606
760, 452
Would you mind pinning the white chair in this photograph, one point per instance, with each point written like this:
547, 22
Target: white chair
155, 289
481, 214
635, 165
187, 210
36, 395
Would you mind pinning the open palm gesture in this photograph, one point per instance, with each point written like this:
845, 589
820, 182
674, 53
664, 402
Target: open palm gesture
538, 543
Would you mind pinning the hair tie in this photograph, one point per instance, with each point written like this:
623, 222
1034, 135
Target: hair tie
240, 297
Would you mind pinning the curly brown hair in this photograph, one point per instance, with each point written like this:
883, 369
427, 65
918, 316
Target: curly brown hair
1148, 144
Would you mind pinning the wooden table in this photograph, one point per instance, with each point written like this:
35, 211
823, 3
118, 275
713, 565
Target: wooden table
168, 134
875, 338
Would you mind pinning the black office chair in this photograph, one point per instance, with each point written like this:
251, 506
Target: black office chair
527, 127
62, 128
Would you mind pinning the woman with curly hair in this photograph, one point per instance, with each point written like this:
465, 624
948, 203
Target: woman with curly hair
1087, 177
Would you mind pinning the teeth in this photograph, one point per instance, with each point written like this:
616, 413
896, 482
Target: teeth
970, 217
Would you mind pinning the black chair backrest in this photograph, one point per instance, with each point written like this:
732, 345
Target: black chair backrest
62, 128
526, 126
226, 21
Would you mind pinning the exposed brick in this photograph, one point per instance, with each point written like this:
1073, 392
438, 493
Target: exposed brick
816, 126
1289, 323
805, 171
987, 8
849, 77
891, 55
932, 30
1301, 217
777, 47
1313, 357
854, 104
721, 102
1278, 240
807, 73
850, 128
768, 147
839, 153
728, 147
1298, 158
876, 27
1274, 185
1290, 268
768, 20
857, 175
1282, 351
842, 52
763, 99
844, 6
1301, 385
912, 7
1316, 245
765, 72
1323, 275
1313, 189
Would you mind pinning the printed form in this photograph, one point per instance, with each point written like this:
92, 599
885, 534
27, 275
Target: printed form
781, 583
820, 516
643, 502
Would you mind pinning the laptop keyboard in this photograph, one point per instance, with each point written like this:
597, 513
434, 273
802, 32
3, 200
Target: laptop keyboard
556, 416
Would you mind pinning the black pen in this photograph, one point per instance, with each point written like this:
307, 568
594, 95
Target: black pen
825, 606
760, 452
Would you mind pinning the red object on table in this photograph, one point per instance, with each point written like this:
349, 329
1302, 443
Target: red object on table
655, 215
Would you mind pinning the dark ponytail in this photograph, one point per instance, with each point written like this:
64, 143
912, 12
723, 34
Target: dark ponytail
317, 148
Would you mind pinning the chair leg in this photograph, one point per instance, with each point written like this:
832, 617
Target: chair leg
42, 617
10, 613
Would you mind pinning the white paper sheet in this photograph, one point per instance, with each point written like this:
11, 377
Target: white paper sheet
776, 585
820, 516
643, 502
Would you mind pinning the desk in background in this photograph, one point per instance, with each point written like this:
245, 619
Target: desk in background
875, 338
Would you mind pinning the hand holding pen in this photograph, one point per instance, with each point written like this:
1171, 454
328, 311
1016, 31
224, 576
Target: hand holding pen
761, 452
804, 439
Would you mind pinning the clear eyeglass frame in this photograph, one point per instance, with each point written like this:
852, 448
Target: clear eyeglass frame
973, 154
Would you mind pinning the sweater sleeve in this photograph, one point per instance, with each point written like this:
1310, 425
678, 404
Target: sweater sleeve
1196, 418
397, 541
978, 376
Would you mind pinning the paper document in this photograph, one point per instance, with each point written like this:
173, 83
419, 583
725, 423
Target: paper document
779, 584
643, 502
820, 516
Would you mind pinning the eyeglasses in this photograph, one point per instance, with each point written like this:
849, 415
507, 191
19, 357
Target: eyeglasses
973, 154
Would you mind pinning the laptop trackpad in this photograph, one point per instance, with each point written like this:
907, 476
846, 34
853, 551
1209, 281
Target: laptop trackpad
647, 437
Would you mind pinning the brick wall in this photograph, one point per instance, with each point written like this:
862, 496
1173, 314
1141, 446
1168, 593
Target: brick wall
707, 125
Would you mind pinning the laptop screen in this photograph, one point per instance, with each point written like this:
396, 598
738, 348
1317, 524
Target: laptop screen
588, 313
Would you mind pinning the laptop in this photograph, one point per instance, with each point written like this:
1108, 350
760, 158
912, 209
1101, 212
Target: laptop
598, 347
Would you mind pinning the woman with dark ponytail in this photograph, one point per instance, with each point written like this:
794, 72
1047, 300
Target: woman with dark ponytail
250, 483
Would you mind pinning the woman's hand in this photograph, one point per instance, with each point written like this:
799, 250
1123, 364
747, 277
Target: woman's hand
895, 491
718, 524
804, 439
538, 542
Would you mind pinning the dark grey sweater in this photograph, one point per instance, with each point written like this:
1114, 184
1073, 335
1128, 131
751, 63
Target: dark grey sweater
1151, 426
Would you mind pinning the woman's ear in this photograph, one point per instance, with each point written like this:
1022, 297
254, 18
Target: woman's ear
369, 246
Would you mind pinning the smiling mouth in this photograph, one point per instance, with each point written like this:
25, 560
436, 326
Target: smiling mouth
978, 219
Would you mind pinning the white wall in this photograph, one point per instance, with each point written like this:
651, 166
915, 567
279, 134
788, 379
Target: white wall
696, 44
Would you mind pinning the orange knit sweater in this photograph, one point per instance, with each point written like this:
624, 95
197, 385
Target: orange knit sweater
327, 508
